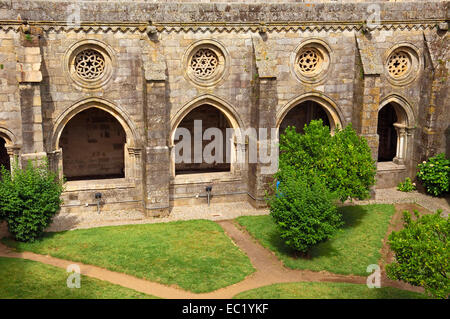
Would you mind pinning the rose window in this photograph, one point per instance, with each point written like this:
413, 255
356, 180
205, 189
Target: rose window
309, 60
398, 64
204, 63
89, 64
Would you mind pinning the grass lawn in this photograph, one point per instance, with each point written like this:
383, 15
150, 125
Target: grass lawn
195, 255
26, 279
326, 290
350, 251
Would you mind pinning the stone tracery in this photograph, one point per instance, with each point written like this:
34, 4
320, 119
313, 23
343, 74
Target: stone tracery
204, 63
398, 64
89, 64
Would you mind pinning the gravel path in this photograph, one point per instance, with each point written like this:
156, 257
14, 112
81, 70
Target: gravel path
227, 211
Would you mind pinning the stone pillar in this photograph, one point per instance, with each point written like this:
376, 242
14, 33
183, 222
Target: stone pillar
157, 154
401, 144
369, 114
435, 135
14, 153
369, 83
263, 172
264, 117
29, 77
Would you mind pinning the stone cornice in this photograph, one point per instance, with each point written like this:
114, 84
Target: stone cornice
57, 26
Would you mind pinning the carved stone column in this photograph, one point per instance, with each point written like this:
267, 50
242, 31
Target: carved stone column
401, 144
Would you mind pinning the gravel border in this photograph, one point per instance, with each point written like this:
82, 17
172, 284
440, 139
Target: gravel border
226, 211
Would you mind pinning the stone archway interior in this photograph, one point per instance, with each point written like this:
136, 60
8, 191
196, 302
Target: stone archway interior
386, 131
302, 114
211, 117
93, 145
4, 157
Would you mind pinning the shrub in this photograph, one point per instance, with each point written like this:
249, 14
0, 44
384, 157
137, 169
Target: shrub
435, 175
422, 253
304, 211
29, 198
406, 186
342, 160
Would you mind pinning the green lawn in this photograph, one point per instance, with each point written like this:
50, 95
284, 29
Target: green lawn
26, 279
326, 290
195, 255
350, 251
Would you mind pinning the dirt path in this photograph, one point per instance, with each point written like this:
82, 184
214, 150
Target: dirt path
269, 270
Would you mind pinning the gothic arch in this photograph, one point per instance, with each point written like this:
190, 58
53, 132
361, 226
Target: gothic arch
333, 112
117, 112
404, 127
227, 109
402, 108
132, 145
8, 136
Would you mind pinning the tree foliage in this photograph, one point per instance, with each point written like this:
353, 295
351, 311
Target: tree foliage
422, 253
304, 210
29, 198
342, 160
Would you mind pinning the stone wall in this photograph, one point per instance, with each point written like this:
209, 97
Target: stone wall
147, 85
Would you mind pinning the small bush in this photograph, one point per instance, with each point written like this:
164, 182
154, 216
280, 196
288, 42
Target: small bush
422, 253
435, 175
29, 198
304, 210
406, 186
343, 160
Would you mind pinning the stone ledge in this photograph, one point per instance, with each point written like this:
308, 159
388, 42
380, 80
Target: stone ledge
389, 166
97, 185
201, 178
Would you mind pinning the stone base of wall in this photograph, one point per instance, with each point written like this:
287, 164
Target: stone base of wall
214, 199
162, 212
389, 175
190, 189
257, 202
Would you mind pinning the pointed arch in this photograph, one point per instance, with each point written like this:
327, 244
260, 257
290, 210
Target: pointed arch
226, 108
114, 110
8, 136
132, 144
397, 132
228, 111
403, 109
334, 114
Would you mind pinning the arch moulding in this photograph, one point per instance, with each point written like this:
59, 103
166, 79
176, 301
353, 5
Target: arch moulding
119, 114
403, 109
227, 109
334, 113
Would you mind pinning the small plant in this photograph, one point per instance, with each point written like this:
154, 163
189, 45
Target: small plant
422, 254
28, 37
435, 174
304, 210
29, 198
406, 186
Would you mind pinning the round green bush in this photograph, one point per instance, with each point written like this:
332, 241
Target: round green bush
435, 175
422, 254
29, 198
304, 210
